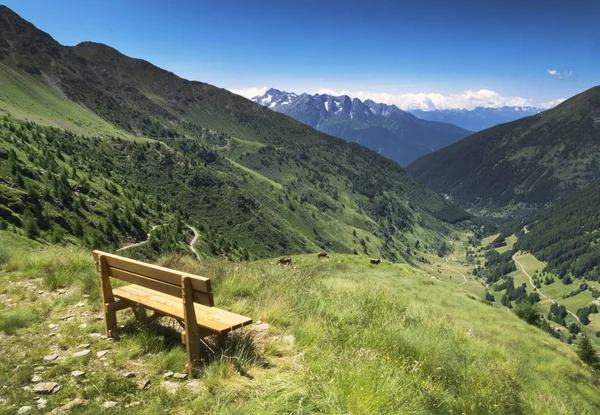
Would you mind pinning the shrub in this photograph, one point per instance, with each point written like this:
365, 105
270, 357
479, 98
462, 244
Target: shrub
529, 313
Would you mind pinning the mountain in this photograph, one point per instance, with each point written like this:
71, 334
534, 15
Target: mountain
114, 145
523, 164
479, 118
566, 237
383, 128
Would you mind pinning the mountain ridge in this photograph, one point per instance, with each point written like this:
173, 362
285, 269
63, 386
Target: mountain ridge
246, 174
529, 162
384, 128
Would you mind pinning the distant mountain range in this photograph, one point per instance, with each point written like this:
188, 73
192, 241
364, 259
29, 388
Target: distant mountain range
479, 118
386, 129
526, 163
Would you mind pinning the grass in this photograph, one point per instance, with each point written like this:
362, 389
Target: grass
368, 339
25, 97
510, 243
17, 318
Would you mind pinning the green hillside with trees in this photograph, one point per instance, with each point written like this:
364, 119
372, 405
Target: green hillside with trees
521, 166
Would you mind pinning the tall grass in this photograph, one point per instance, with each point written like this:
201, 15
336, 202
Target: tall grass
368, 339
17, 318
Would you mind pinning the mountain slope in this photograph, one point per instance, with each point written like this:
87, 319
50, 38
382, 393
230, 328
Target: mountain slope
566, 237
386, 129
522, 164
479, 118
253, 179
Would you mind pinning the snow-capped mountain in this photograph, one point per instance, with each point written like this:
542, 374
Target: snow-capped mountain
386, 129
479, 118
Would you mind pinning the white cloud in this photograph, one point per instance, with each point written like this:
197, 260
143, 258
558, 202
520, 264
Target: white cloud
432, 101
428, 101
249, 92
560, 75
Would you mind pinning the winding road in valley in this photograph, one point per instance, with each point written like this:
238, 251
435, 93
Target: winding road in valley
139, 243
544, 295
194, 240
458, 272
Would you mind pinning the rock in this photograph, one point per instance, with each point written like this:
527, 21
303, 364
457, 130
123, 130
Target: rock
42, 403
94, 336
143, 384
68, 406
179, 376
52, 326
167, 375
259, 322
129, 375
132, 404
109, 404
101, 353
24, 409
51, 334
36, 379
170, 387
51, 357
67, 317
260, 328
80, 304
193, 387
83, 326
27, 388
83, 346
289, 339
39, 368
46, 388
61, 291
81, 353
77, 373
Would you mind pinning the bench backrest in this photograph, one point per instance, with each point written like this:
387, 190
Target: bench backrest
156, 278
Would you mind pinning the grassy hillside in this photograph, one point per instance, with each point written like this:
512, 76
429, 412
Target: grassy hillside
366, 340
521, 165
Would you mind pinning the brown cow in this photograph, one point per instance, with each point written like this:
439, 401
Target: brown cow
322, 254
375, 261
286, 262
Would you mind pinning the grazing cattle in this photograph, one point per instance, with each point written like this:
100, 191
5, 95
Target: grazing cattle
286, 262
375, 261
322, 254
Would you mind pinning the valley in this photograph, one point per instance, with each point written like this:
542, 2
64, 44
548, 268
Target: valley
467, 283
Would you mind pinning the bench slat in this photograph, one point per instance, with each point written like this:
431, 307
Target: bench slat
216, 320
167, 275
156, 285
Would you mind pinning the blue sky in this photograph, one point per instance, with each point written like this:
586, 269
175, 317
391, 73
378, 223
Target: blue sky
402, 52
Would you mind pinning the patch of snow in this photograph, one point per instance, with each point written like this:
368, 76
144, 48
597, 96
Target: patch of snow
266, 99
326, 106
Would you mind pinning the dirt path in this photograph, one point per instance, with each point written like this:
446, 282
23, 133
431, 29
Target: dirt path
535, 289
458, 272
140, 243
194, 240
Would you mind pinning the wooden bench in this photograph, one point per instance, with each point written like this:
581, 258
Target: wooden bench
185, 297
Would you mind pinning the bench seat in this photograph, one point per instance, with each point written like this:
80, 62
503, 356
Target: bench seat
211, 318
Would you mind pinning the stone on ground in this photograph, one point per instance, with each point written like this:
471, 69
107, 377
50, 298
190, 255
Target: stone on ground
46, 388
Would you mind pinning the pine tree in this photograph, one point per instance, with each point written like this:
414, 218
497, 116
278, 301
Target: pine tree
587, 353
30, 225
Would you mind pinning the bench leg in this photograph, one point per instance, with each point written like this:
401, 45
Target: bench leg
110, 320
191, 335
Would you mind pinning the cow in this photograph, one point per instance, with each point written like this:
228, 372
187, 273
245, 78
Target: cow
322, 254
375, 261
286, 262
